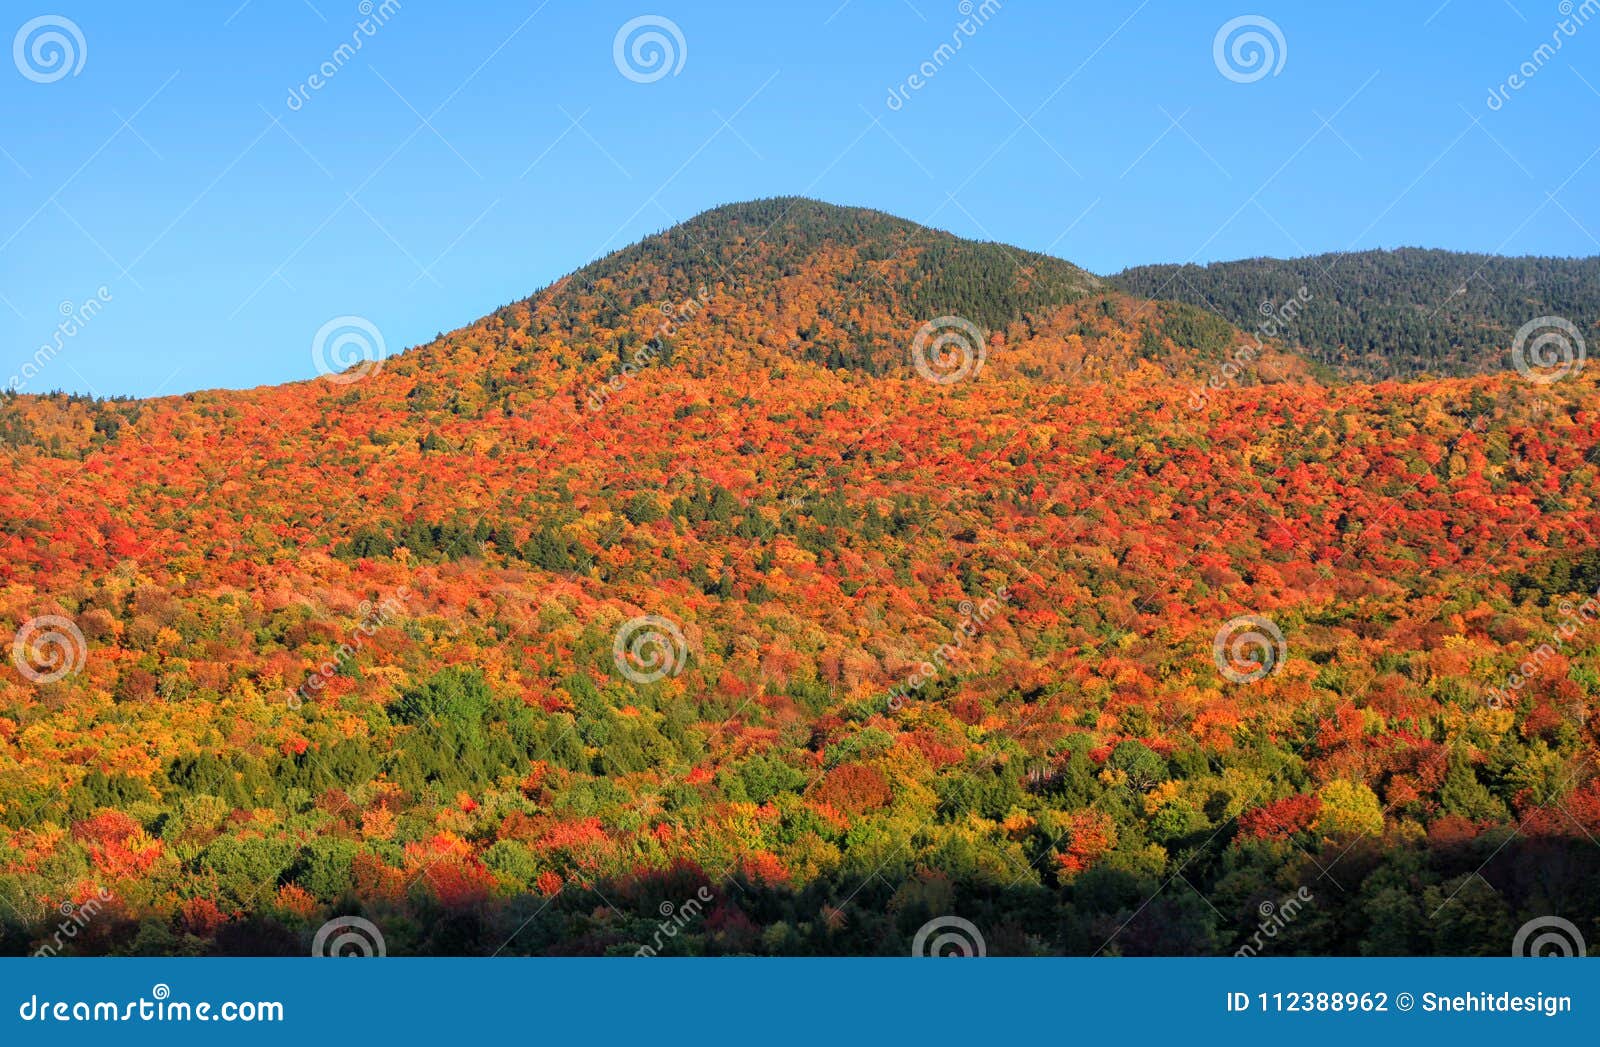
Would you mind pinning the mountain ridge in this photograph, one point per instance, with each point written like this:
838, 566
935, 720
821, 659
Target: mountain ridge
791, 283
848, 288
1391, 313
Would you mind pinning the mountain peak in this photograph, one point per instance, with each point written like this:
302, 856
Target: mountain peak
792, 280
755, 245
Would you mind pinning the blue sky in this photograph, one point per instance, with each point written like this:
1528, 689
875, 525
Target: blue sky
470, 153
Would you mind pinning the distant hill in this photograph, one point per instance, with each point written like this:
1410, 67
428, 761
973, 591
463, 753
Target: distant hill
755, 247
790, 279
1389, 314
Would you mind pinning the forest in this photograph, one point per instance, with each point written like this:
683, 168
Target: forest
1398, 314
676, 596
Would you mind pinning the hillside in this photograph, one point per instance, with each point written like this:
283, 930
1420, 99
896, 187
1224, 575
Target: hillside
1374, 315
630, 596
773, 284
790, 280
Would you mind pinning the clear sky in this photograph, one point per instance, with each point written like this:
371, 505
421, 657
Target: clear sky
469, 153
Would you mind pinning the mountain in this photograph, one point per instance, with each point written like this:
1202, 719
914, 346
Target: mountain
1374, 315
794, 280
848, 256
780, 284
1101, 636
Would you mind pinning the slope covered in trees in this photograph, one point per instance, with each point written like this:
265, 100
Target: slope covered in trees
632, 599
1388, 314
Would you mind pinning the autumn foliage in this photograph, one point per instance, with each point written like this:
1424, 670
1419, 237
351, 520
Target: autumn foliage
350, 647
